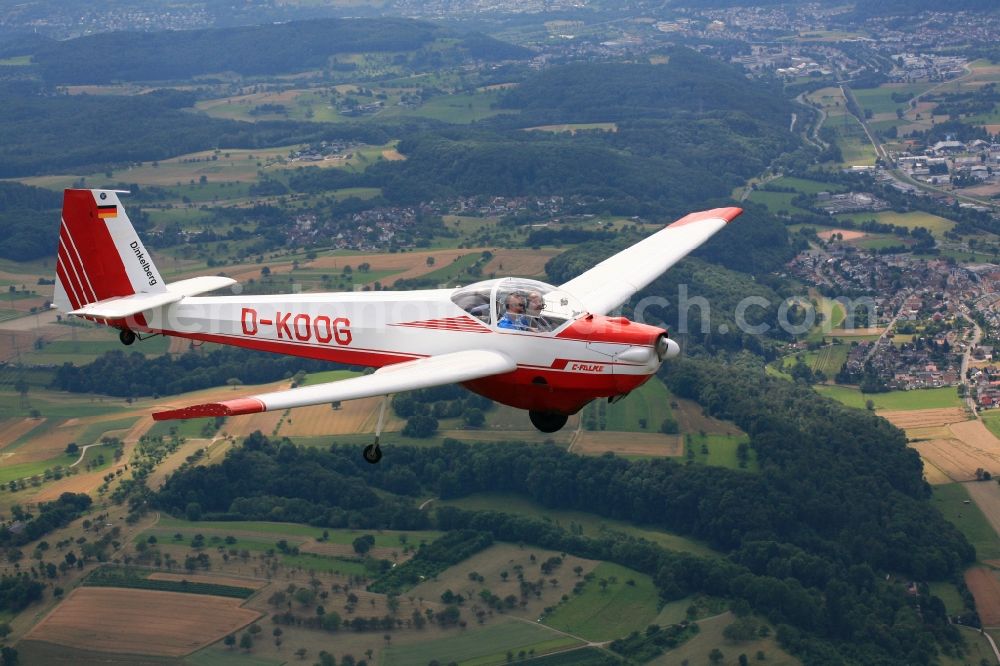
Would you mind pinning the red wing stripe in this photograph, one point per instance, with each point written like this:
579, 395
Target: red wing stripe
727, 214
225, 408
464, 324
79, 263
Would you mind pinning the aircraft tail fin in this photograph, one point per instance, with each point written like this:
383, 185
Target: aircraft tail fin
100, 255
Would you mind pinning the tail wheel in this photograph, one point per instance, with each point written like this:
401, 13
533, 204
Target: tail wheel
547, 421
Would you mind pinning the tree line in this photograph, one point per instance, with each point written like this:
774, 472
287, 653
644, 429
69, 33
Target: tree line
130, 375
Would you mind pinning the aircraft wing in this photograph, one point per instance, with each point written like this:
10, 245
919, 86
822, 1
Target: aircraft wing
613, 281
450, 368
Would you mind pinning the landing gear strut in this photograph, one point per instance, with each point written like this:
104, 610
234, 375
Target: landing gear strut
372, 452
547, 421
126, 336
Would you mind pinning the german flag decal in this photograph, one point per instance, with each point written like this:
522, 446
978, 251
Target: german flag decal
104, 212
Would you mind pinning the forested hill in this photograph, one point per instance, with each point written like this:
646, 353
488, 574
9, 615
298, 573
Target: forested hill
258, 50
685, 132
609, 92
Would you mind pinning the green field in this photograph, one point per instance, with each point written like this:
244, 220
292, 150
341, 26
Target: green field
879, 100
902, 400
948, 593
950, 499
935, 224
26, 470
697, 649
590, 524
58, 352
383, 538
828, 359
212, 656
459, 108
186, 428
649, 403
779, 203
991, 419
328, 376
304, 561
721, 450
95, 431
479, 647
604, 614
807, 186
110, 576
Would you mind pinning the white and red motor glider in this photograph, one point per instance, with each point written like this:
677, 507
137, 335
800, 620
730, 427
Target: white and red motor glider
543, 348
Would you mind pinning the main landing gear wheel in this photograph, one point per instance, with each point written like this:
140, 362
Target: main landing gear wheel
547, 421
372, 453
126, 336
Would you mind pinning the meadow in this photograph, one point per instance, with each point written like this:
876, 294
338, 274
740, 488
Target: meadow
643, 410
879, 100
482, 647
605, 612
828, 359
697, 649
587, 523
894, 400
911, 220
719, 450
950, 499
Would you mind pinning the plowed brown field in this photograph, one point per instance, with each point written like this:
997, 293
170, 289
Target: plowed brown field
986, 589
524, 263
628, 444
11, 429
924, 418
691, 418
141, 621
954, 458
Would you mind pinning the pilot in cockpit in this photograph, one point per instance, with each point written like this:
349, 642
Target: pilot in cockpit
513, 317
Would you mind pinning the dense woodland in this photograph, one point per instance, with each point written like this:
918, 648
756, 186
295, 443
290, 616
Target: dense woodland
248, 50
806, 538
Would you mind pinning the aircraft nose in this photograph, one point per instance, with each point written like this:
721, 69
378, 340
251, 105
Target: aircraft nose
666, 348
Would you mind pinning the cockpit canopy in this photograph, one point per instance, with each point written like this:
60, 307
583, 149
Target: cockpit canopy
518, 304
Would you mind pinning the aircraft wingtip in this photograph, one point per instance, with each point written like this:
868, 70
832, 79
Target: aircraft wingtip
212, 409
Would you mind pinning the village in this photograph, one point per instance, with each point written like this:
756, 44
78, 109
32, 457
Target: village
927, 316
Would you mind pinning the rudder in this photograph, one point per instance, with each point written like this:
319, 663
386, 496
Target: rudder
100, 255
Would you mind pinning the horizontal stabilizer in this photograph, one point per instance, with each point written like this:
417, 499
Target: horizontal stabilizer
126, 306
450, 368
